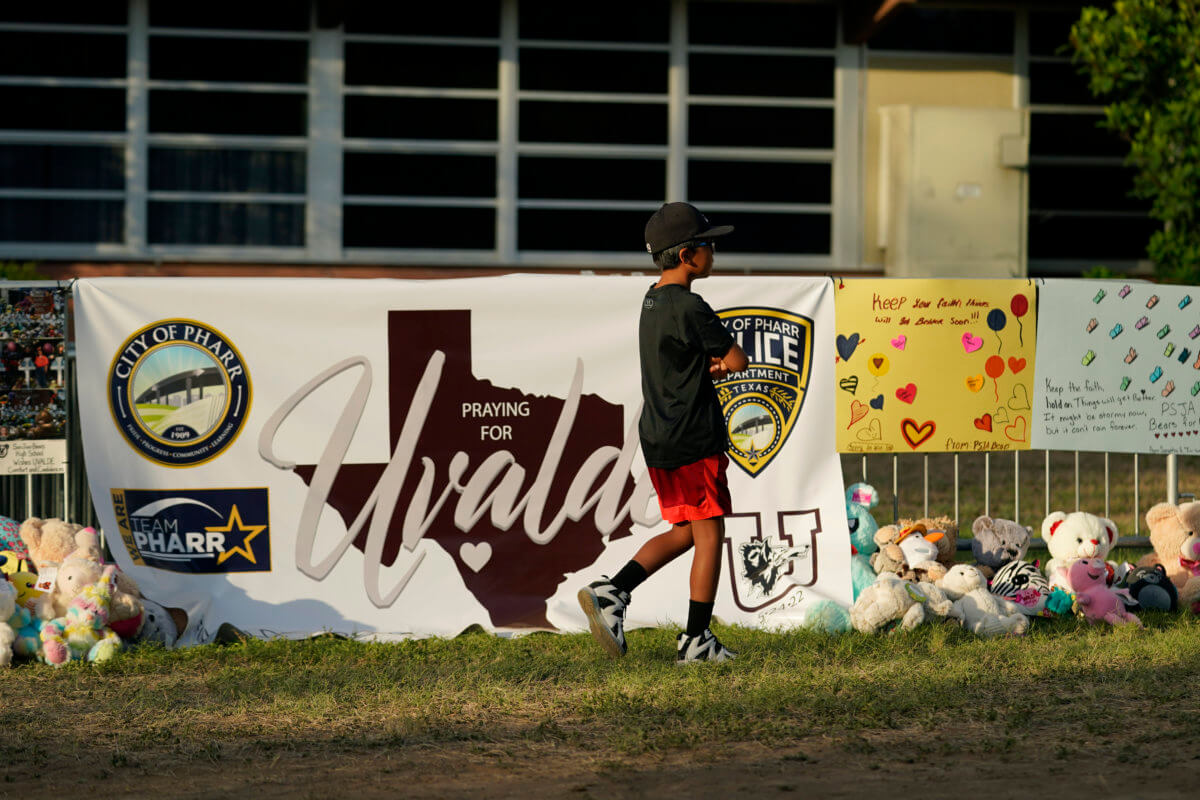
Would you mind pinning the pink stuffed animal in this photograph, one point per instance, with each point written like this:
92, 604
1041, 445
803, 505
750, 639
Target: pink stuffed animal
1095, 598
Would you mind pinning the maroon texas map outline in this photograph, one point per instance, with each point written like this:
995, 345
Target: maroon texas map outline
521, 575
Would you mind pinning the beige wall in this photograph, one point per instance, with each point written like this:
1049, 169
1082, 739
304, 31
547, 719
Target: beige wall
962, 82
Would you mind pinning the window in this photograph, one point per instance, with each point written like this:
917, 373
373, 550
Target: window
1080, 211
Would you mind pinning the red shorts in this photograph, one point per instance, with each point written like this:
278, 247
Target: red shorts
693, 491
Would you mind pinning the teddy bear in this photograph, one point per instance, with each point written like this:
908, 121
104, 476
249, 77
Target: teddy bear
909, 552
1175, 537
996, 542
48, 541
1023, 583
1095, 599
79, 569
893, 602
1075, 535
981, 612
82, 633
8, 607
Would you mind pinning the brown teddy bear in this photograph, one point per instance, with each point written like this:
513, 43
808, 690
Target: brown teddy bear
908, 552
1175, 536
49, 541
943, 532
83, 567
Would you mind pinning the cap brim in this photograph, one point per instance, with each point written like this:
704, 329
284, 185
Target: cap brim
712, 233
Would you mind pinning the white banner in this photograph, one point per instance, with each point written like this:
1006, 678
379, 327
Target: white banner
1118, 367
405, 458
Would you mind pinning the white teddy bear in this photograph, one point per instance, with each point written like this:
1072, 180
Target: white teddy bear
8, 607
1073, 536
891, 599
981, 612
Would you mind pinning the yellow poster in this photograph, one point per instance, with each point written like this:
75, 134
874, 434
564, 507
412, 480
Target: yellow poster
933, 366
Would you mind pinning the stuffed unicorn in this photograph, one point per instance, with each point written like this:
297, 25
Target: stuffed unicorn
83, 633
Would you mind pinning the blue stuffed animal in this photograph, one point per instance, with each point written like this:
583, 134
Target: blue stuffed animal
826, 615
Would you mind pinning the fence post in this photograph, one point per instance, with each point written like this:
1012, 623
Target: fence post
1172, 478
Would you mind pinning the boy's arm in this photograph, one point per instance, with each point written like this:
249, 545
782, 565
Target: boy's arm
733, 361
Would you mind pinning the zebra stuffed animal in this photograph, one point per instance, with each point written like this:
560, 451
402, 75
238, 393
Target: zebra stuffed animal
1024, 584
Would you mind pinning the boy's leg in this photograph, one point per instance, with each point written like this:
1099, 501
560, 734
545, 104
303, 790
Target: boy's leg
697, 643
604, 601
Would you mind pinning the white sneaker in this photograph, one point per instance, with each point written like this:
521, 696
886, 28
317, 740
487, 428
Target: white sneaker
705, 647
604, 605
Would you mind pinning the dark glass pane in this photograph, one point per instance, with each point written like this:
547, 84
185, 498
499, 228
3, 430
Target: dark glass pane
592, 178
62, 55
947, 30
1073, 135
62, 108
769, 24
765, 76
748, 126
227, 112
441, 66
420, 118
760, 182
1094, 238
1059, 83
43, 166
260, 15
593, 71
204, 170
406, 227
599, 123
419, 174
762, 232
66, 12
227, 224
480, 19
611, 21
576, 230
1051, 30
1063, 188
44, 220
241, 60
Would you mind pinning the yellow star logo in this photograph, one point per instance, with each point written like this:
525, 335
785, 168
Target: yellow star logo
235, 525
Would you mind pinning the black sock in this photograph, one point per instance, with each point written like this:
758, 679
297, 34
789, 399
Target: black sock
630, 577
699, 615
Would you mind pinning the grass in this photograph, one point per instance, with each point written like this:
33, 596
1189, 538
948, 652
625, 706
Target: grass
199, 703
999, 495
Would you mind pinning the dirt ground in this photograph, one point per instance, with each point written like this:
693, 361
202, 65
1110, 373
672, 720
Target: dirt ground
883, 765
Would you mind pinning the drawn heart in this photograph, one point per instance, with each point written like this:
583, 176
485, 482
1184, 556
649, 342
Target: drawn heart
846, 345
971, 343
1016, 431
871, 433
907, 393
1020, 398
916, 433
1001, 415
1016, 364
984, 423
857, 412
475, 555
877, 402
900, 341
975, 383
849, 384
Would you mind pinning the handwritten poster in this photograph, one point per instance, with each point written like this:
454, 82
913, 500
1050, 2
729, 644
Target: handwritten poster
934, 365
1118, 367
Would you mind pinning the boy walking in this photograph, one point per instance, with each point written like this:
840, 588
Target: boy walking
682, 346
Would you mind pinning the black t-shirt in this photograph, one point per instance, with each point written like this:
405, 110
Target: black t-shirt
681, 419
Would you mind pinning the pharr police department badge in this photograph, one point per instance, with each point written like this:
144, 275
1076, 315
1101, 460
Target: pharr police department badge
762, 403
179, 392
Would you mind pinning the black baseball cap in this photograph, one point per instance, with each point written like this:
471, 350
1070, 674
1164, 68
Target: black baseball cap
676, 223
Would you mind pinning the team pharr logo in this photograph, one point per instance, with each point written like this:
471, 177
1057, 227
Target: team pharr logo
179, 392
195, 530
762, 403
